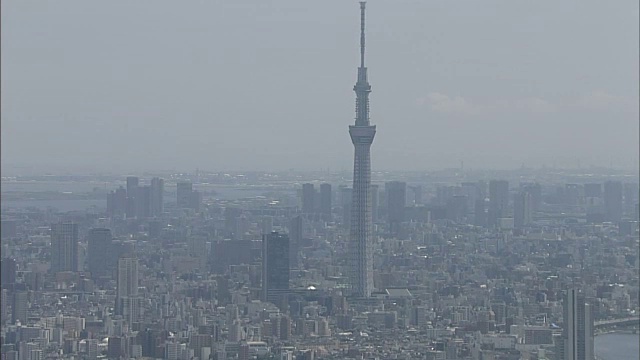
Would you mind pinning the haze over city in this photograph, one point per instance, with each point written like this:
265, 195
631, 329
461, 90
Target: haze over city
292, 180
254, 85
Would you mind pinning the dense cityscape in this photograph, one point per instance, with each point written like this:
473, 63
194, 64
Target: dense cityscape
239, 265
454, 264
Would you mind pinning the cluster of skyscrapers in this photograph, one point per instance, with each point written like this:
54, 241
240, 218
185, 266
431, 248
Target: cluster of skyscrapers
137, 200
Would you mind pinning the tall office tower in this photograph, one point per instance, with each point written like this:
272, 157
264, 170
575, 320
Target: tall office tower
100, 246
536, 194
396, 193
8, 270
456, 208
231, 215
308, 198
127, 283
295, 239
195, 200
156, 198
8, 229
480, 213
498, 200
572, 194
577, 331
375, 202
522, 209
127, 302
132, 191
416, 191
613, 200
4, 300
19, 307
184, 190
117, 202
325, 200
266, 225
64, 247
275, 266
470, 190
362, 134
143, 202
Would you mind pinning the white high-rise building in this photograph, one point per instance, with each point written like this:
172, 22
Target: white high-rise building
127, 301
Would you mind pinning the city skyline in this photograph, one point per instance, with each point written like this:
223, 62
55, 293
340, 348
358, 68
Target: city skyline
524, 244
468, 98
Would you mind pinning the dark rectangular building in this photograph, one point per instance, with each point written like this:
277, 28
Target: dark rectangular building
275, 266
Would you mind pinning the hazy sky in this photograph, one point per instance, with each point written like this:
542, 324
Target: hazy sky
267, 84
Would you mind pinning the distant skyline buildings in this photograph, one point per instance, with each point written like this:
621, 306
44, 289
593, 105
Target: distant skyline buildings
498, 201
396, 200
64, 247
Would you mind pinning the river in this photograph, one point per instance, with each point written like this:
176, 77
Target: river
617, 346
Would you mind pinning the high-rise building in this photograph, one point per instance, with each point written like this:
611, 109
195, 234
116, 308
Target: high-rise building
132, 191
8, 270
522, 209
156, 199
4, 305
295, 239
117, 202
275, 266
266, 224
8, 229
498, 200
308, 198
456, 208
127, 284
480, 213
535, 190
613, 201
325, 200
577, 331
187, 198
362, 134
183, 194
127, 301
416, 198
19, 307
143, 202
64, 247
100, 246
396, 200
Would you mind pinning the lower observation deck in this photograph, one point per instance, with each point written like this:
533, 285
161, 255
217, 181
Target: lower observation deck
362, 135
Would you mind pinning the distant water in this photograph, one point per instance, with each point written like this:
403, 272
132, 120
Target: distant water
617, 346
60, 205
225, 192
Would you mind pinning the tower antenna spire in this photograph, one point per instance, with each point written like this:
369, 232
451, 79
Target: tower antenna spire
362, 8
